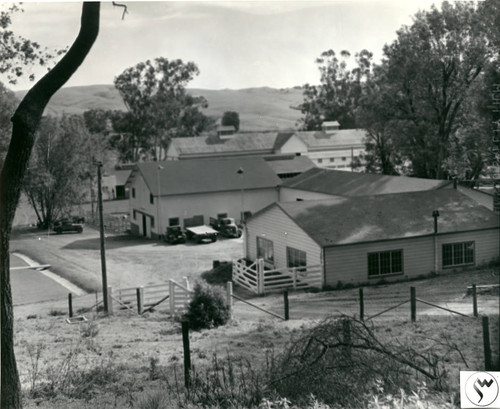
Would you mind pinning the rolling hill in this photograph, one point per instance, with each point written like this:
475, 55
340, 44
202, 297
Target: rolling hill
259, 108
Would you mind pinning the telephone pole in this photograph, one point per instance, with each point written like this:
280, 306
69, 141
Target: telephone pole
101, 230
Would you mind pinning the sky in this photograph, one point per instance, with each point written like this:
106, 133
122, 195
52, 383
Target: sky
237, 44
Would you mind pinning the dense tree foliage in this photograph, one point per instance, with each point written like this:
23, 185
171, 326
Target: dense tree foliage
336, 98
423, 106
8, 104
231, 118
159, 108
24, 125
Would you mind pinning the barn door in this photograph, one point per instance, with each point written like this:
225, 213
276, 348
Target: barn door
144, 226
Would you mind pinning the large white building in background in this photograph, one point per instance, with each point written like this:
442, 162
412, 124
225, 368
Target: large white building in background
331, 147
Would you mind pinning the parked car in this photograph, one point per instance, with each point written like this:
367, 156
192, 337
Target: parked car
201, 234
175, 235
73, 224
226, 226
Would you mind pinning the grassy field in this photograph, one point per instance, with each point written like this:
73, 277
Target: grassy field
259, 108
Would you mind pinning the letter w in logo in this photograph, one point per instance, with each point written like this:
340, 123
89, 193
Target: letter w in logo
481, 384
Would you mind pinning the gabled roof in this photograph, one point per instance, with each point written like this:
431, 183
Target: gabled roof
206, 175
238, 143
121, 176
340, 183
281, 139
337, 138
352, 220
292, 164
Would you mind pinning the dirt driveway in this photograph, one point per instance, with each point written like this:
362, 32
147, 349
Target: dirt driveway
130, 262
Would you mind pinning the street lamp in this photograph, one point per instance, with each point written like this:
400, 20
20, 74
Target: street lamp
158, 201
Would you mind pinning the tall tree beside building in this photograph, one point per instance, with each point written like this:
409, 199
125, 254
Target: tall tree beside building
8, 104
430, 69
336, 98
159, 107
231, 118
24, 125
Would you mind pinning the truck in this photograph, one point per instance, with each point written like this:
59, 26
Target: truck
175, 235
226, 226
201, 234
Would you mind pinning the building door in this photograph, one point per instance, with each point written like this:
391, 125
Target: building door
144, 226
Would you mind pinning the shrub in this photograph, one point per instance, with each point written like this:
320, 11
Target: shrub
208, 308
56, 313
219, 275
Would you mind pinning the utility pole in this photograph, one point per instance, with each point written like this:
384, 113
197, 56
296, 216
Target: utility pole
101, 230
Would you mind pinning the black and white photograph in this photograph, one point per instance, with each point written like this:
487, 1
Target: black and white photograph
250, 204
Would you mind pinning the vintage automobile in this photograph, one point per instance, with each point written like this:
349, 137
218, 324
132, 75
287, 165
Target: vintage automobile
175, 235
72, 224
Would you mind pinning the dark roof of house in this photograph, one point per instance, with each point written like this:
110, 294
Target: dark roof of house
341, 183
206, 175
352, 220
292, 164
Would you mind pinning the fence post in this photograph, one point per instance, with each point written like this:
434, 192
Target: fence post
70, 304
187, 353
361, 304
110, 300
346, 332
140, 299
294, 278
486, 343
172, 297
474, 300
413, 304
260, 279
229, 300
186, 283
287, 309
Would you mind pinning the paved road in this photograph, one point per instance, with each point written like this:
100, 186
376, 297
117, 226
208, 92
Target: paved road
32, 286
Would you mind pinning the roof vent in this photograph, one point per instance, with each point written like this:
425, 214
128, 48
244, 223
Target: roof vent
330, 126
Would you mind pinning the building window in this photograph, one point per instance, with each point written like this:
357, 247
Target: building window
295, 258
151, 198
152, 222
265, 249
221, 215
245, 215
385, 262
133, 192
135, 214
173, 221
344, 158
320, 160
332, 159
458, 254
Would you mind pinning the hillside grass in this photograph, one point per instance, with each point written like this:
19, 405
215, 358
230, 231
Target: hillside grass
260, 109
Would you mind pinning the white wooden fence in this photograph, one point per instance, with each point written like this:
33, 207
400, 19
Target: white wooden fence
255, 277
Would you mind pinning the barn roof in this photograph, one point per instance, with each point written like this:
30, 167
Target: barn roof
352, 220
206, 175
238, 143
341, 183
333, 139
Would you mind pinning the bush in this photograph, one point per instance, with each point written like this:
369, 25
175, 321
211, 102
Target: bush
219, 275
208, 308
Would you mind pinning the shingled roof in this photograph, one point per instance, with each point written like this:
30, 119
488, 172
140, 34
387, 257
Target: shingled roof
341, 221
338, 138
206, 175
341, 183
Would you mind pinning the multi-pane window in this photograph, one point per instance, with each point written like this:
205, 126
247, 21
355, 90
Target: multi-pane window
295, 258
458, 254
265, 249
385, 262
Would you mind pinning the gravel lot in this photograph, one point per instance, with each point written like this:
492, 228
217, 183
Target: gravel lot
130, 262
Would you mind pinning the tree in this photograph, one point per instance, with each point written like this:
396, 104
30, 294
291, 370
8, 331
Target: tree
336, 98
25, 123
59, 167
8, 104
158, 105
430, 68
231, 118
